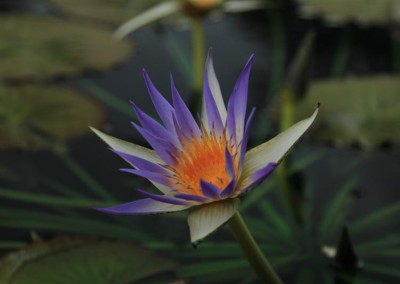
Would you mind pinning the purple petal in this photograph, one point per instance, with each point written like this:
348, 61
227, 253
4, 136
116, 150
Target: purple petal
243, 143
231, 123
258, 177
238, 102
163, 198
156, 177
155, 128
191, 197
209, 190
140, 163
213, 115
230, 166
229, 189
162, 106
162, 147
142, 207
184, 117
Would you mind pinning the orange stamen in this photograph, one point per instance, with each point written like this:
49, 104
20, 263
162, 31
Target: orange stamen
202, 159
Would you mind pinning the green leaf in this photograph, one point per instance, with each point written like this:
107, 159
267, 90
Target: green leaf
276, 219
375, 246
251, 200
50, 200
37, 47
376, 218
34, 117
359, 11
109, 12
303, 161
365, 111
333, 216
85, 177
212, 267
108, 98
11, 244
383, 269
27, 219
66, 260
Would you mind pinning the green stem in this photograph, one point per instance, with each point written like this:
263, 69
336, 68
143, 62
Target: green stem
290, 197
288, 107
178, 54
106, 97
290, 94
88, 180
342, 54
44, 199
198, 58
278, 52
249, 247
396, 49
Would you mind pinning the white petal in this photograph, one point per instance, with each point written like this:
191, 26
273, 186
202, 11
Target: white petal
128, 148
155, 13
215, 91
243, 6
273, 150
205, 219
134, 150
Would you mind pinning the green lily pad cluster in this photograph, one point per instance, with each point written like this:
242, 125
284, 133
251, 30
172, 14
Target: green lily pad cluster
365, 111
39, 47
365, 12
68, 260
34, 117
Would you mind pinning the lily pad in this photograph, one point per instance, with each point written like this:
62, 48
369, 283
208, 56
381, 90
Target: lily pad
36, 117
363, 12
112, 12
365, 111
67, 260
37, 47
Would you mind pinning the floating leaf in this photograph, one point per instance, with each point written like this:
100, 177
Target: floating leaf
114, 12
67, 260
35, 117
365, 111
38, 47
359, 11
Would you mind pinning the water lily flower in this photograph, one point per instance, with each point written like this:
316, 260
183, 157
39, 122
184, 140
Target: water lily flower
197, 8
203, 166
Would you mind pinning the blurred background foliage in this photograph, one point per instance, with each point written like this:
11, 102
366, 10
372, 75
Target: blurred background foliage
330, 214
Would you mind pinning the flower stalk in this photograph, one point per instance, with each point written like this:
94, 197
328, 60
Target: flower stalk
198, 58
252, 251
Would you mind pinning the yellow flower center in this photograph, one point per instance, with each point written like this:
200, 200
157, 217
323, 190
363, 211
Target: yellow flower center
202, 159
205, 3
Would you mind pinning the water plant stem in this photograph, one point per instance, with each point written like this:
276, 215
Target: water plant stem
87, 179
341, 57
396, 48
251, 250
291, 198
198, 58
278, 52
290, 93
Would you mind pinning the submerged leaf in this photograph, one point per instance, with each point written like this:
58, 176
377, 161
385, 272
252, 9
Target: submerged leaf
365, 111
66, 260
36, 117
38, 47
359, 11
